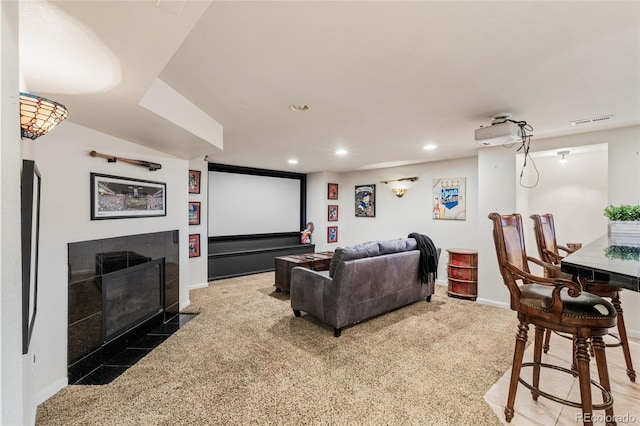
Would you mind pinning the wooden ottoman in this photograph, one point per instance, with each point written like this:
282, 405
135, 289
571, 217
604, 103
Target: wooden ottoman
284, 265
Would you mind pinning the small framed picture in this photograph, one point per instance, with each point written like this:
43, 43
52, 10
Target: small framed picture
194, 245
194, 181
366, 200
332, 234
332, 191
194, 213
332, 213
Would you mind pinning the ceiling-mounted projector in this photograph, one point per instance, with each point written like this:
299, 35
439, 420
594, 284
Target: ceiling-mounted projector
500, 132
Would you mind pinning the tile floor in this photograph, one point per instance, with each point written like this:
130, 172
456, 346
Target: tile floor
134, 351
626, 394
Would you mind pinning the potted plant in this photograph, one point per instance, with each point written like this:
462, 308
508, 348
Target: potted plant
624, 224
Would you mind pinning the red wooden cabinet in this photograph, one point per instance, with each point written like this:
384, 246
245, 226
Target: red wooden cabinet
462, 273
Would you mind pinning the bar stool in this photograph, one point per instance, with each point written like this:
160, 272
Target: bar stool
556, 304
545, 232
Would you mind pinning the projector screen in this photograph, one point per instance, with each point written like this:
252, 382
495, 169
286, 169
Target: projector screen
245, 204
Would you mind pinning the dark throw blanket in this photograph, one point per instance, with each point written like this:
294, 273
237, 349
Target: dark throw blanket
428, 257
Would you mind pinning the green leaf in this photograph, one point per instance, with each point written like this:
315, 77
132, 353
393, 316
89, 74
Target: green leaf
624, 212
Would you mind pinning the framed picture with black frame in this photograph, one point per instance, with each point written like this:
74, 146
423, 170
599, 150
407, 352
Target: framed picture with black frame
365, 196
30, 228
115, 197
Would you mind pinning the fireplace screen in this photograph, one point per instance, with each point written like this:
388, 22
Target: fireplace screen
130, 296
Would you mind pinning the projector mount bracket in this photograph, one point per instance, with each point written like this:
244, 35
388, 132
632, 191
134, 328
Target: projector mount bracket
500, 118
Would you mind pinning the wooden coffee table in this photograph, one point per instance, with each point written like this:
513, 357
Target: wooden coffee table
284, 265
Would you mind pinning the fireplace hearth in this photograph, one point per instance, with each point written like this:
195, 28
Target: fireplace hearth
120, 289
121, 357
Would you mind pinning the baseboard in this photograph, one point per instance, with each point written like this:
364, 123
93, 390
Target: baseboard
51, 390
184, 305
490, 302
201, 285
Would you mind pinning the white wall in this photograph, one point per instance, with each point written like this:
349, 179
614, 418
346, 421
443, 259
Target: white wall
198, 273
498, 175
317, 205
575, 193
493, 185
496, 186
398, 217
624, 167
624, 188
16, 385
63, 159
64, 162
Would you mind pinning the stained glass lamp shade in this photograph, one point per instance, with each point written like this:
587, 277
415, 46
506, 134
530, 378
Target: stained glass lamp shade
39, 115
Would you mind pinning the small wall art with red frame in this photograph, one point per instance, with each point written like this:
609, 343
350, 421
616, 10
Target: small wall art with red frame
194, 181
194, 212
194, 245
332, 213
332, 234
332, 191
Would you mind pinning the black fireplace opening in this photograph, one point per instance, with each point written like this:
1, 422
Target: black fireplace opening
130, 297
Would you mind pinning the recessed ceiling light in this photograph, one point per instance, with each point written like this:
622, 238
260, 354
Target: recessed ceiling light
292, 161
299, 107
430, 147
341, 152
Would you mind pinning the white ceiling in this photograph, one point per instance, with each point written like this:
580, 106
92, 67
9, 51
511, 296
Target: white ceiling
382, 79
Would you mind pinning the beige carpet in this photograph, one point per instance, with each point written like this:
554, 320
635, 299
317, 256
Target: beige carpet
247, 360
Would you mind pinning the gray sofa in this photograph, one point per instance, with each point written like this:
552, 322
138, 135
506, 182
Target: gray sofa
363, 281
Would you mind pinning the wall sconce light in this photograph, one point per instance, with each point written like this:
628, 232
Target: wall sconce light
399, 186
399, 191
39, 115
563, 160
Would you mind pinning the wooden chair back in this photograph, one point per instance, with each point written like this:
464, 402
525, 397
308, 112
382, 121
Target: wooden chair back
510, 250
545, 232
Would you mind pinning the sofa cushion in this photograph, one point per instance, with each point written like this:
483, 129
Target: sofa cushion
412, 244
360, 251
337, 257
393, 246
353, 252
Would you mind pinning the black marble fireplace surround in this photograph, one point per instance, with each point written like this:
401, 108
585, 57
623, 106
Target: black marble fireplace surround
142, 273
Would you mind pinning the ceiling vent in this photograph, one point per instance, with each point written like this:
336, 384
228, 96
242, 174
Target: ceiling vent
591, 120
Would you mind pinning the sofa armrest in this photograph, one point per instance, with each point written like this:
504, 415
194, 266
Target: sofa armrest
307, 290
